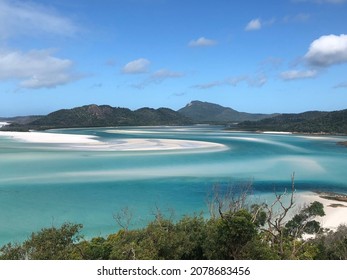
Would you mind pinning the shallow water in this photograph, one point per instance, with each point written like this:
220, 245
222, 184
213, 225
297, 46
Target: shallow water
45, 184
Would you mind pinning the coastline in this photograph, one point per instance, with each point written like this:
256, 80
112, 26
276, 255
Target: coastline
3, 124
335, 207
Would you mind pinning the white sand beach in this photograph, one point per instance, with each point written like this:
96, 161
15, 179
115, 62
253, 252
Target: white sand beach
93, 143
3, 124
335, 211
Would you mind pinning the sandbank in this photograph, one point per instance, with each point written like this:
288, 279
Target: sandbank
93, 143
49, 138
335, 211
276, 132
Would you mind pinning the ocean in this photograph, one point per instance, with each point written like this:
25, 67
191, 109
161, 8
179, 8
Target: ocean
144, 169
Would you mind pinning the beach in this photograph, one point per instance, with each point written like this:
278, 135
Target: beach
3, 124
335, 210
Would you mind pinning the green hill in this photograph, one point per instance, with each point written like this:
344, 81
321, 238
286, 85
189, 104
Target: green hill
307, 122
100, 116
213, 113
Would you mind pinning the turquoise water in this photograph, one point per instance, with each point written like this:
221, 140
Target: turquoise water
48, 184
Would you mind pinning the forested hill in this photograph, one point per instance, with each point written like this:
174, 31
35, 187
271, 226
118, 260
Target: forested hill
99, 116
202, 112
308, 122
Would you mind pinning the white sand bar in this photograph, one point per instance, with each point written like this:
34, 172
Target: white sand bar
334, 216
53, 138
89, 142
162, 144
276, 132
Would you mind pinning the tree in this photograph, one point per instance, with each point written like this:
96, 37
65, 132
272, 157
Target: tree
228, 235
286, 236
333, 244
48, 244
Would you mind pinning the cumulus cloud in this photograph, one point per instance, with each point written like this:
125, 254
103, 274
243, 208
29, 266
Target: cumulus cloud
327, 50
36, 69
26, 18
202, 42
298, 74
254, 24
137, 66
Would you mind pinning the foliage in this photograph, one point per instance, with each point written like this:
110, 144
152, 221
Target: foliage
333, 245
48, 244
238, 232
307, 122
103, 116
213, 113
227, 236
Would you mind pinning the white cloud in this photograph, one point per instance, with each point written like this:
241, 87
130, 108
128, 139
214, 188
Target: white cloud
36, 69
137, 66
257, 81
301, 17
234, 81
254, 24
327, 50
252, 81
202, 42
163, 74
23, 18
158, 77
297, 74
209, 85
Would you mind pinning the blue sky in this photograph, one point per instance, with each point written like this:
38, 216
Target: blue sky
253, 56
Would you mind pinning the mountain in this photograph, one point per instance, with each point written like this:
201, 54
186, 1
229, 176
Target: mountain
213, 113
100, 116
307, 122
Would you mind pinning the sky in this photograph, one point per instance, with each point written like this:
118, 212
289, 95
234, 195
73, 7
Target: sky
254, 56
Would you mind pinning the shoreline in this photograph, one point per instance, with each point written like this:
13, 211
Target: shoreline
2, 124
335, 207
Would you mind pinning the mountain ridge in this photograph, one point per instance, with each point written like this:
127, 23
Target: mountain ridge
334, 122
195, 112
103, 115
200, 111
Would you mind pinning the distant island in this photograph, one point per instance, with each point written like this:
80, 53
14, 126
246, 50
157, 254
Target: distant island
308, 122
100, 116
195, 112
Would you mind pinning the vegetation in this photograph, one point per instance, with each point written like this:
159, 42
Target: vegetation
308, 122
194, 112
235, 231
213, 113
101, 116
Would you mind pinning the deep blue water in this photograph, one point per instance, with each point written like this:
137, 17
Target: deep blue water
48, 184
